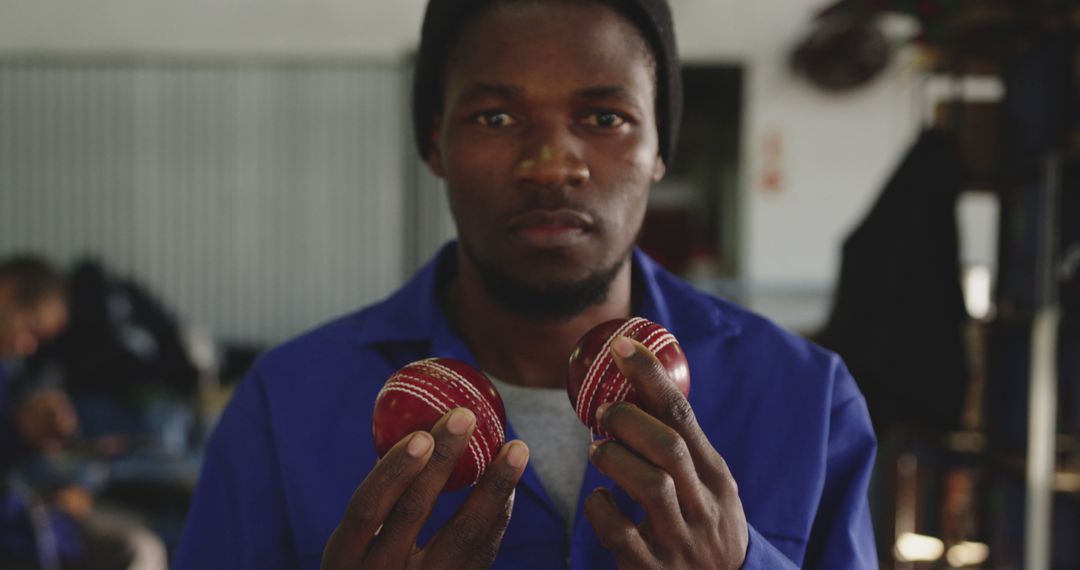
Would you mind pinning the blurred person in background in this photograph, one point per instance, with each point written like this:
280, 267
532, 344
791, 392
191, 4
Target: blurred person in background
66, 532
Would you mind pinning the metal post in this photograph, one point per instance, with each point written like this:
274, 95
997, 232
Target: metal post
1043, 384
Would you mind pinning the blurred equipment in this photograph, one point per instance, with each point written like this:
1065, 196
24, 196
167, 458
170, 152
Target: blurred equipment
844, 51
1002, 492
120, 339
135, 374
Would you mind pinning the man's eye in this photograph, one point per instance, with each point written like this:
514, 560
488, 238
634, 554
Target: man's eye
605, 119
494, 119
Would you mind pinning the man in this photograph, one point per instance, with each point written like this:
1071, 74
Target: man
549, 122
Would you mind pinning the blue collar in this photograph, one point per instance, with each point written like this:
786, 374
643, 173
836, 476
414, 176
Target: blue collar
413, 312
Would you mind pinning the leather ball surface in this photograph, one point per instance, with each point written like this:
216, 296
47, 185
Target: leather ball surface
593, 379
417, 395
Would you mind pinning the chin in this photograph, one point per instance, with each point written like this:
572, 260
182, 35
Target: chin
547, 286
553, 268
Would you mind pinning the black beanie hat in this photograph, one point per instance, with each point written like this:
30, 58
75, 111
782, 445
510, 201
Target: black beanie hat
445, 19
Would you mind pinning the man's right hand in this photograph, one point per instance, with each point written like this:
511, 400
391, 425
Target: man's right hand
387, 510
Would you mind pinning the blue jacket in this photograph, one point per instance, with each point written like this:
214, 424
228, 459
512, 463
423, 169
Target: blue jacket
295, 440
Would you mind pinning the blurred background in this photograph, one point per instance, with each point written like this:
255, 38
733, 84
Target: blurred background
895, 179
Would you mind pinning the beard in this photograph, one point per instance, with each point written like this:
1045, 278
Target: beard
552, 301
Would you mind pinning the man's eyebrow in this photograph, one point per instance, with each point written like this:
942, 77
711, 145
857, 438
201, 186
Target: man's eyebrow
605, 92
486, 90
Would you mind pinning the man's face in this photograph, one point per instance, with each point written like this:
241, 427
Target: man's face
548, 140
24, 329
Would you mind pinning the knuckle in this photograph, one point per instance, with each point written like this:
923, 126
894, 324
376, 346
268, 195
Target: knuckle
361, 512
443, 452
468, 531
676, 409
674, 446
680, 452
731, 485
722, 467
662, 488
665, 483
410, 508
503, 483
618, 538
398, 466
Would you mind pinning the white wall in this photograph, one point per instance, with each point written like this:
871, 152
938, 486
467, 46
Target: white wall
367, 28
836, 151
835, 154
254, 200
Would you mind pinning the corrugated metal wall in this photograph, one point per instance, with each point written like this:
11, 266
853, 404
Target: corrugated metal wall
254, 199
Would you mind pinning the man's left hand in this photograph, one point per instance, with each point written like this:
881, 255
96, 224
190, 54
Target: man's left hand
661, 458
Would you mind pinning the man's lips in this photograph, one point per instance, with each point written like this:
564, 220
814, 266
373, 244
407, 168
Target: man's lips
562, 218
551, 228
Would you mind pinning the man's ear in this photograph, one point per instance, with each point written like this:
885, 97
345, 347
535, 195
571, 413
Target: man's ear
659, 169
435, 154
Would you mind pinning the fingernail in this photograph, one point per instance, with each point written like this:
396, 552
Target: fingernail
601, 410
594, 446
517, 455
418, 445
460, 421
622, 347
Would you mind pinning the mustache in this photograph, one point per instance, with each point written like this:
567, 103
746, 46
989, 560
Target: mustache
537, 202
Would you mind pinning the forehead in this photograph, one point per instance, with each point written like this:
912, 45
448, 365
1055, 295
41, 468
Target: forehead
550, 45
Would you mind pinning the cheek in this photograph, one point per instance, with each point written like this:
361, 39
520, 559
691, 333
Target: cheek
629, 160
474, 178
477, 165
630, 173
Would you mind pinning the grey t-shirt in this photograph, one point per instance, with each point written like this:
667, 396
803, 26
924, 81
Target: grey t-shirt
558, 442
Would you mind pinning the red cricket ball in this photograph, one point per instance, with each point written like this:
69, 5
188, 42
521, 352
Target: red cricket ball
415, 397
593, 379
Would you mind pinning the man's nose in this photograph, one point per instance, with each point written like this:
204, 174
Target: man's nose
553, 157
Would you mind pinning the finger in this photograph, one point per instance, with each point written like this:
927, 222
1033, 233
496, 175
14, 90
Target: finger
485, 555
397, 539
659, 397
458, 540
658, 444
374, 498
475, 521
616, 532
646, 484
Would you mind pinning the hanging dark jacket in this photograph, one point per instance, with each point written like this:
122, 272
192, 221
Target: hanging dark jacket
898, 314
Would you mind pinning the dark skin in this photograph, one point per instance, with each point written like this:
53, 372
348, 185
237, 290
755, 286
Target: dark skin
548, 146
387, 510
660, 456
547, 114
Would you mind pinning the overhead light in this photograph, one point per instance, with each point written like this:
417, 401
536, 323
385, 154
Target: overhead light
967, 554
911, 547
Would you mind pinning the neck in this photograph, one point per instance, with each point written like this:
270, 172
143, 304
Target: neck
520, 350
